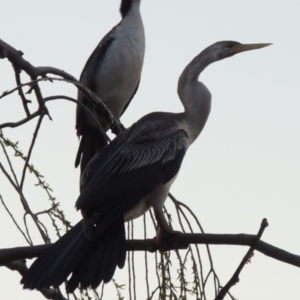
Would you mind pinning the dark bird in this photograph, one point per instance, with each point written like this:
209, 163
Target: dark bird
113, 72
125, 179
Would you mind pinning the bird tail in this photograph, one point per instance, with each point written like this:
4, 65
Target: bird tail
90, 262
90, 142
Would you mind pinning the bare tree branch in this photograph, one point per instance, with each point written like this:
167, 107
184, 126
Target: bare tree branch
14, 258
24, 202
43, 71
9, 161
21, 93
19, 63
7, 255
14, 220
235, 278
84, 107
12, 254
38, 125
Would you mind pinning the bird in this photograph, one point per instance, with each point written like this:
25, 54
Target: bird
113, 73
125, 179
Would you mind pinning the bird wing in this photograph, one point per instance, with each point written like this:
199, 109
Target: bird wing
133, 94
141, 158
87, 77
91, 139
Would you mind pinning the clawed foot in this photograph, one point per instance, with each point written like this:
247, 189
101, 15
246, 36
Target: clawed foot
166, 241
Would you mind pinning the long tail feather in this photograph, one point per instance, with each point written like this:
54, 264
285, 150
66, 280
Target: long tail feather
91, 141
90, 262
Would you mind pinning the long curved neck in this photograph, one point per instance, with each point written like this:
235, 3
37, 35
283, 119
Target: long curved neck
127, 5
194, 95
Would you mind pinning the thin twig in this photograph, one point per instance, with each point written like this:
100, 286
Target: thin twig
216, 279
37, 128
146, 257
13, 219
85, 108
15, 186
27, 230
43, 71
235, 278
21, 93
24, 202
91, 96
19, 63
57, 213
132, 262
129, 264
10, 164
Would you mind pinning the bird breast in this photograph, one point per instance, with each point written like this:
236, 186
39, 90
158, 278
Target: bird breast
119, 72
155, 199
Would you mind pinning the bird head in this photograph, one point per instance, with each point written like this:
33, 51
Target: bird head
226, 49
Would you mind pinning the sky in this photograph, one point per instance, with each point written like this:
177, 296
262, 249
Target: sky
245, 165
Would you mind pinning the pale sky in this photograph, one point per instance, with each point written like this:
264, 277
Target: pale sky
246, 163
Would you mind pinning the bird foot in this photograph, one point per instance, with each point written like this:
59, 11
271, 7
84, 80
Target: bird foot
165, 241
117, 129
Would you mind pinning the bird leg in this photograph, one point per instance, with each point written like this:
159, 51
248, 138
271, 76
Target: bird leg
116, 129
163, 239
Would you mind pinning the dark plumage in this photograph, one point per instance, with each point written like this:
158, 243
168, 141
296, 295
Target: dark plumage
140, 159
126, 178
113, 73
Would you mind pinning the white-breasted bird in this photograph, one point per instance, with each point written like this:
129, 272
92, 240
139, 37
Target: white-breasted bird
125, 179
113, 72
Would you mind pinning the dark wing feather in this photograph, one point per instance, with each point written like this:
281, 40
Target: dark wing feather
92, 139
143, 157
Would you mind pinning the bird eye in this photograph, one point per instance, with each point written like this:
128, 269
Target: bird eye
228, 47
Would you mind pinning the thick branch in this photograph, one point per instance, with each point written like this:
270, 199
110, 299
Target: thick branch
8, 255
15, 57
19, 64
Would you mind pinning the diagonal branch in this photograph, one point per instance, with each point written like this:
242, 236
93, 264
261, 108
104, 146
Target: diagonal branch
24, 202
19, 63
38, 125
235, 278
14, 220
84, 107
21, 93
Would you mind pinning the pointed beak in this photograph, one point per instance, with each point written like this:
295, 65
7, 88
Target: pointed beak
246, 47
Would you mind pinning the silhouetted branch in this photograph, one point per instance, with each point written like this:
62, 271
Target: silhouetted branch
179, 209
21, 93
38, 126
43, 71
84, 107
235, 278
8, 255
23, 201
20, 64
14, 220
